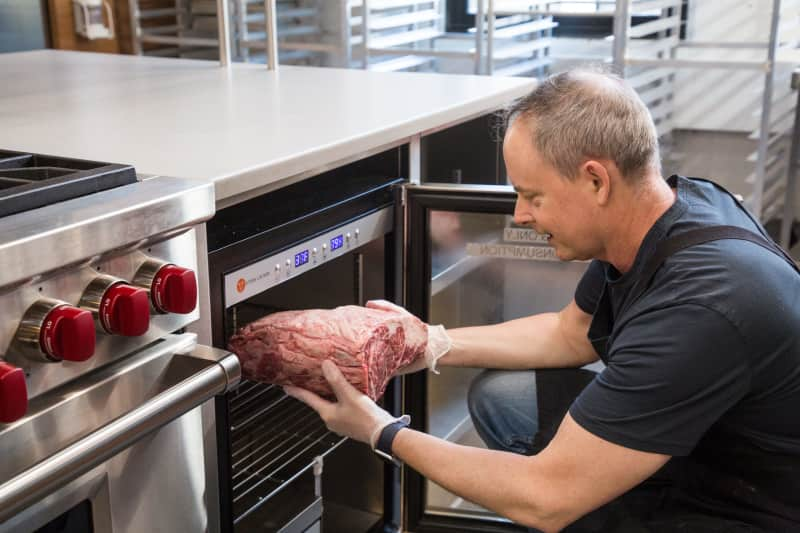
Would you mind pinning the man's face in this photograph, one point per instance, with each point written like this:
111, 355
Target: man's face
546, 201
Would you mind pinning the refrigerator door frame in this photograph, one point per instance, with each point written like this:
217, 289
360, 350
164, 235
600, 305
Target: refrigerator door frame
412, 232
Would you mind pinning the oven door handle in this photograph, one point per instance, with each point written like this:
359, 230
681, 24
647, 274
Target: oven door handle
76, 459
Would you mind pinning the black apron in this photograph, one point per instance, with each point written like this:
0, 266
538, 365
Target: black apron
665, 502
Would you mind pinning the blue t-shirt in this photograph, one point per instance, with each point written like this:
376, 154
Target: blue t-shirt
706, 363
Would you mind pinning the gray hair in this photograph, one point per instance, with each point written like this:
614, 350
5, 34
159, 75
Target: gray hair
589, 113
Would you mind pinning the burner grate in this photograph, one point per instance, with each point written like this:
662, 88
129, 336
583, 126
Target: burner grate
29, 181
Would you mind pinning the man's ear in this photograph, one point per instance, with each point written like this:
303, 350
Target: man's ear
596, 176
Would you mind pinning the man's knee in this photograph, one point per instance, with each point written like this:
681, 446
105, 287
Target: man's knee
485, 393
503, 408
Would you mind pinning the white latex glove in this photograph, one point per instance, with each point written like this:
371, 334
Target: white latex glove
353, 415
439, 342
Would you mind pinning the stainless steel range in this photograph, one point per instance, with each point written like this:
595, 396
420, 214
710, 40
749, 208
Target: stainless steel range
101, 391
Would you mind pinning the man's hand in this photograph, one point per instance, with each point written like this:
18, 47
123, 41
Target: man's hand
439, 342
354, 415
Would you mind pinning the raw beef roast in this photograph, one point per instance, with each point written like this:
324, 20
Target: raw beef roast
368, 345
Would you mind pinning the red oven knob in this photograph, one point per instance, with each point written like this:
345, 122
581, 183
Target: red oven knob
67, 333
13, 393
121, 309
125, 310
52, 330
173, 289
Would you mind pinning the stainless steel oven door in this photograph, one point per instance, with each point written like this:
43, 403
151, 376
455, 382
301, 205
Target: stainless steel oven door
80, 506
127, 441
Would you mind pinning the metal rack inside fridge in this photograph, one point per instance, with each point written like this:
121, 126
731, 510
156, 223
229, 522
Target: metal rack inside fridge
274, 440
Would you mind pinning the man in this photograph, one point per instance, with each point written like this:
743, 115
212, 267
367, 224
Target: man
699, 335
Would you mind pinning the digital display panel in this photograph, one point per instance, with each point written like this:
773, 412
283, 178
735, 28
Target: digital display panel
337, 242
301, 258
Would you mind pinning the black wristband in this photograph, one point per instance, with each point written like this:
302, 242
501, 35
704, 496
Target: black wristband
383, 446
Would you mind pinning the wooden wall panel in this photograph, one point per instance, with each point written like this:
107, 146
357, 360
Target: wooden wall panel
62, 30
62, 27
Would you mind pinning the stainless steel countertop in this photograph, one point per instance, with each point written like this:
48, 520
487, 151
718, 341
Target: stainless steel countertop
244, 129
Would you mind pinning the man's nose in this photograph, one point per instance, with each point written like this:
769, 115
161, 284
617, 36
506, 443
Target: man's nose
521, 216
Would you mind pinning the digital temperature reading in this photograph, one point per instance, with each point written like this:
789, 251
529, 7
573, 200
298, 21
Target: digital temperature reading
337, 242
301, 258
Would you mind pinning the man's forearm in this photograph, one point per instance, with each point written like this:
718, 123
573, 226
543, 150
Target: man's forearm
499, 481
538, 341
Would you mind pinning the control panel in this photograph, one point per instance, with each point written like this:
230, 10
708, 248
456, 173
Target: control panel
85, 316
299, 258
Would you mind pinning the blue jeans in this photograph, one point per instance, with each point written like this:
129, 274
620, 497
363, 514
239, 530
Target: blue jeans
504, 409
520, 410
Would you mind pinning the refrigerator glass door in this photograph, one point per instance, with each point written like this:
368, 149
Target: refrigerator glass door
468, 265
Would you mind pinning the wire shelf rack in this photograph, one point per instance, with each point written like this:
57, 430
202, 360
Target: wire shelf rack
274, 440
